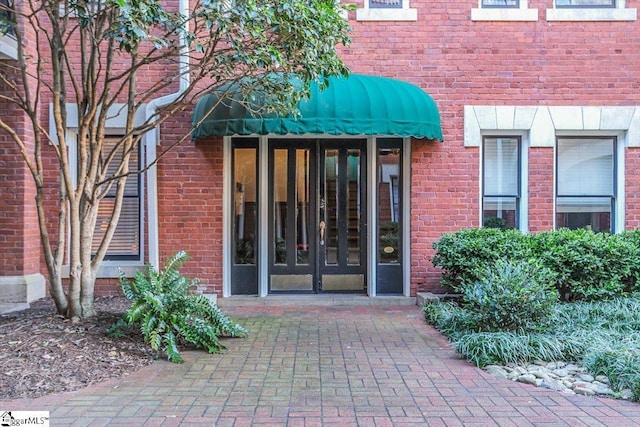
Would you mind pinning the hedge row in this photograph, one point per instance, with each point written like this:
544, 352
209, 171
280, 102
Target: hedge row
585, 265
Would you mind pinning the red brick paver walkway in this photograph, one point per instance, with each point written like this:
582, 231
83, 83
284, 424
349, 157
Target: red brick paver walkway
320, 366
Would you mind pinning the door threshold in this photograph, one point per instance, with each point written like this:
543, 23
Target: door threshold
314, 300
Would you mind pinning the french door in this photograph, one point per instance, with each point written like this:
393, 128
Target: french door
317, 215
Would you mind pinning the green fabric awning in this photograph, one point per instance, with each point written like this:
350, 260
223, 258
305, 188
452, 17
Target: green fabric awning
355, 105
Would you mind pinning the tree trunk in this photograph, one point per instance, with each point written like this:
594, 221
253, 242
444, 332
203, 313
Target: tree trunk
57, 294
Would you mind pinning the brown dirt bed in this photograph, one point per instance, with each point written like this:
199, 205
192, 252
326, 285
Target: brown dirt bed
43, 353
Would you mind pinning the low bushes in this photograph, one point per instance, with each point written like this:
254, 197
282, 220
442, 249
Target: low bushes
511, 297
511, 285
584, 265
168, 315
604, 336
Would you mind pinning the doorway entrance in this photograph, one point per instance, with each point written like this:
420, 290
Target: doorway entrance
317, 216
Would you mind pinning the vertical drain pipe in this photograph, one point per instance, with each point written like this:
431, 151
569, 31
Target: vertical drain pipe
152, 139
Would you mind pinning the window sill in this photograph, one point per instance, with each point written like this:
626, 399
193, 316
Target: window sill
8, 47
368, 14
506, 14
627, 14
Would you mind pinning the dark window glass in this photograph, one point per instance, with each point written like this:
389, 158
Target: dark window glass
245, 204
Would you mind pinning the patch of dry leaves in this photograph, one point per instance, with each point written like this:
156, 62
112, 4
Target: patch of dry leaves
43, 353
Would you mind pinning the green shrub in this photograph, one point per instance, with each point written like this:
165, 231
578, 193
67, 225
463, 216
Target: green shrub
589, 266
449, 318
586, 265
603, 335
511, 296
632, 238
167, 314
464, 255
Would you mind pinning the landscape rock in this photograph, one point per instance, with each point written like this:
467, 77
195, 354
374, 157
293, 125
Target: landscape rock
560, 376
585, 391
528, 379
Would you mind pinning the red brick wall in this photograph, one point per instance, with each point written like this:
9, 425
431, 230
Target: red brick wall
632, 188
457, 61
190, 206
460, 62
19, 236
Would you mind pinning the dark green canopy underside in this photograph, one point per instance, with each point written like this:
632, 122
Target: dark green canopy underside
356, 105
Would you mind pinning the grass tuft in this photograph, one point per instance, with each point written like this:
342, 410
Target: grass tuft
604, 336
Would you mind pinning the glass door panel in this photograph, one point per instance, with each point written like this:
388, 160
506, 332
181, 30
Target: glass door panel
292, 216
244, 273
353, 214
330, 246
280, 194
390, 210
303, 209
342, 214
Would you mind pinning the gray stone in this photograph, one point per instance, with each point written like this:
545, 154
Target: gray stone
586, 377
584, 391
553, 385
528, 379
562, 372
541, 374
568, 378
574, 369
556, 365
581, 384
520, 370
626, 394
496, 371
604, 391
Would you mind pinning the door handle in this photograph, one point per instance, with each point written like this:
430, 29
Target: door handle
322, 227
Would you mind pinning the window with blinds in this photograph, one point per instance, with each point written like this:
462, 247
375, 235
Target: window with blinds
585, 183
585, 3
501, 182
384, 4
125, 244
500, 3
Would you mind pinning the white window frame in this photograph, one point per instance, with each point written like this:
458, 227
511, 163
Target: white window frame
545, 123
405, 13
618, 13
115, 126
521, 13
622, 141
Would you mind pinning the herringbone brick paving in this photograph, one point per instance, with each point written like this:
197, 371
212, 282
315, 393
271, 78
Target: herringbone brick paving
326, 366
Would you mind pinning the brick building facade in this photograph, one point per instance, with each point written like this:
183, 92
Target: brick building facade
539, 104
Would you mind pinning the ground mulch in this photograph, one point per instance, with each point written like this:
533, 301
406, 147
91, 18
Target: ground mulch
44, 353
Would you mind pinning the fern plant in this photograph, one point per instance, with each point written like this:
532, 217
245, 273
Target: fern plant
166, 313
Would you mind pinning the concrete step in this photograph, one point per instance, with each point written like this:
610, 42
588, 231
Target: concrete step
314, 300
